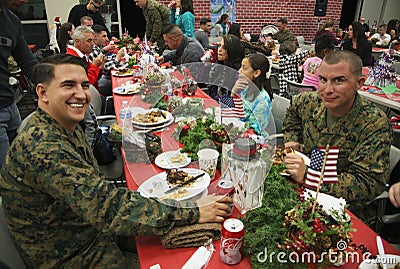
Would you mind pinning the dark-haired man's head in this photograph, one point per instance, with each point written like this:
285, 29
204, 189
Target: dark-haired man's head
205, 24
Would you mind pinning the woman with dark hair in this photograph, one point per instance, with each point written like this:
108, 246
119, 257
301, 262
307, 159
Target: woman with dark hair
65, 35
230, 52
392, 28
358, 43
250, 47
221, 26
182, 14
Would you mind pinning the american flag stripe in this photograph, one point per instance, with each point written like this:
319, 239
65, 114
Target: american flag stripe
232, 107
317, 159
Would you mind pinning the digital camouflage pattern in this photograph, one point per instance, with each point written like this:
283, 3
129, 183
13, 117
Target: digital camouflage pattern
157, 17
363, 136
62, 213
283, 36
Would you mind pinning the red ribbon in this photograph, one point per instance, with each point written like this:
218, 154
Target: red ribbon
244, 153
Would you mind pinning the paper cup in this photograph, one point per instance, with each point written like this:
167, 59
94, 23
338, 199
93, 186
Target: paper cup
208, 159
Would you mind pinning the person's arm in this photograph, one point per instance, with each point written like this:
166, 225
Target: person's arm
169, 56
172, 16
261, 110
394, 194
22, 54
293, 124
95, 200
192, 53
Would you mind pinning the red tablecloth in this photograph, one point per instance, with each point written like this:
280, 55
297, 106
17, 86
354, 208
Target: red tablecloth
149, 248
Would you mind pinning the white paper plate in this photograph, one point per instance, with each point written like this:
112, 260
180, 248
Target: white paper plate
129, 73
128, 89
157, 185
153, 128
165, 160
391, 261
161, 121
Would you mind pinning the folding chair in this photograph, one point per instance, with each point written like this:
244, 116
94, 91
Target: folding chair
294, 88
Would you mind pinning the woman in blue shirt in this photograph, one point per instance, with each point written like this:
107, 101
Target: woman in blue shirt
183, 16
256, 100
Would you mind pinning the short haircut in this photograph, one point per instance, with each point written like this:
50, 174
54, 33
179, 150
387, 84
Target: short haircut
44, 71
80, 31
97, 29
86, 18
172, 30
204, 21
97, 1
283, 20
288, 48
345, 56
383, 26
324, 42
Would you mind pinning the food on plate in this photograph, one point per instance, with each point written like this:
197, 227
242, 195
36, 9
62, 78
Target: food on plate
153, 116
124, 72
177, 194
175, 176
180, 158
280, 154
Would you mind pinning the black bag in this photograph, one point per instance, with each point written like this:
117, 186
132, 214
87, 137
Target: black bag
103, 149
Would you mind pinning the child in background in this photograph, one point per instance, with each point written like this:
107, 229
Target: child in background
324, 45
256, 100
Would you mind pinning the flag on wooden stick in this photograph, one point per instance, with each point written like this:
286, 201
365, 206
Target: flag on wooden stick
316, 162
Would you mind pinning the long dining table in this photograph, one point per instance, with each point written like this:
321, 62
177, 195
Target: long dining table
149, 248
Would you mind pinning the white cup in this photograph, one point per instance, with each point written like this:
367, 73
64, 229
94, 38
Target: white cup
208, 159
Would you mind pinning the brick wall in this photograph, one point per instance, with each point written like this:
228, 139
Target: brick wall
254, 14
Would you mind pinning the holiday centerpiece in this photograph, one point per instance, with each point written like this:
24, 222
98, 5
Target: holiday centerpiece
293, 223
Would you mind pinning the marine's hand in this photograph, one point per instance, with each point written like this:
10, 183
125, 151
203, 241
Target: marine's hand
295, 166
213, 208
394, 194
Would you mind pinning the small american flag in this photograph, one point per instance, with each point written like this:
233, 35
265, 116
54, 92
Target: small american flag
231, 107
316, 162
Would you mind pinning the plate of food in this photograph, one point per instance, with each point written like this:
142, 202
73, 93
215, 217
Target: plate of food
280, 154
172, 159
157, 185
391, 261
128, 89
125, 72
151, 118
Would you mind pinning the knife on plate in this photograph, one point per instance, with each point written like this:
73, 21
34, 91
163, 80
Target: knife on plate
381, 250
183, 184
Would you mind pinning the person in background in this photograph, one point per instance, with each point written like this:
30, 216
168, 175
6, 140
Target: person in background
339, 35
358, 43
250, 47
337, 115
256, 100
90, 9
157, 18
86, 21
327, 29
289, 64
284, 34
381, 38
365, 26
83, 45
62, 205
185, 17
65, 36
230, 54
184, 49
12, 43
202, 33
323, 46
222, 25
111, 59
175, 13
392, 28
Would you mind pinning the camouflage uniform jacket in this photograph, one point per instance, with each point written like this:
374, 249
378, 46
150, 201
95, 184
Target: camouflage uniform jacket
157, 17
62, 213
363, 136
283, 36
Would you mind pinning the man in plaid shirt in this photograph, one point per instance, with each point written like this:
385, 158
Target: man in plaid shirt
111, 59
